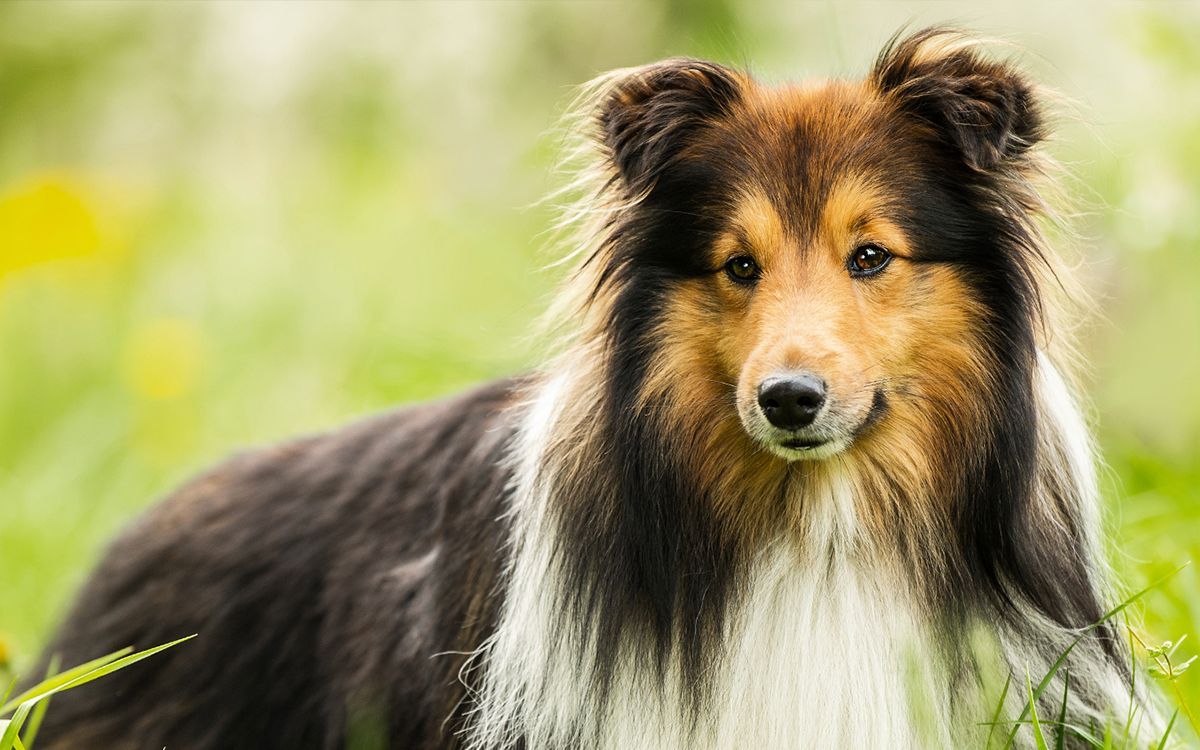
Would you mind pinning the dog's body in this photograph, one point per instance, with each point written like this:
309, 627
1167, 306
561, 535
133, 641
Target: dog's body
806, 475
337, 579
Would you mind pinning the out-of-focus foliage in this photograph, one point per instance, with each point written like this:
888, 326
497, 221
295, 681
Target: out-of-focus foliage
222, 224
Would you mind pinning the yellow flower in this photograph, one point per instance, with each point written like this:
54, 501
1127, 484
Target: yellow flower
42, 219
5, 652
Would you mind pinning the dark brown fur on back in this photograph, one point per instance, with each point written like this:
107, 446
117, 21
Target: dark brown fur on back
321, 577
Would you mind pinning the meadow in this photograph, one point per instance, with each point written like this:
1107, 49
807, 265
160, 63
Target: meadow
221, 225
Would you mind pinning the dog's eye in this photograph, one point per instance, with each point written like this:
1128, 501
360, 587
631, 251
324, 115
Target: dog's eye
868, 259
743, 269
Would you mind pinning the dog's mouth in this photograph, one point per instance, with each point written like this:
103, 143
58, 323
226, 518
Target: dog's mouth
803, 445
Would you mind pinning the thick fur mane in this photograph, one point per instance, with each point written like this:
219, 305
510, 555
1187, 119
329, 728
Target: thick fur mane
669, 584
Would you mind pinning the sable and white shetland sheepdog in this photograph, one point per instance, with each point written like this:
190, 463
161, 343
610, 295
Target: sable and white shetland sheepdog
805, 474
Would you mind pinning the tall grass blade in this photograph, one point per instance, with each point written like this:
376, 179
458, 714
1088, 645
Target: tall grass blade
999, 709
1086, 736
39, 712
16, 740
61, 679
1133, 706
9, 739
40, 693
1074, 729
1061, 741
1038, 737
1167, 734
116, 665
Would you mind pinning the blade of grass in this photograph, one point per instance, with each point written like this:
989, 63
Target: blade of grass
1074, 729
17, 742
9, 739
114, 666
60, 679
1045, 681
1133, 708
1060, 742
999, 709
1086, 736
1170, 725
39, 712
1038, 737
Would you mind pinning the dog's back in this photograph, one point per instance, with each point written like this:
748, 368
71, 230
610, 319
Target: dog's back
320, 576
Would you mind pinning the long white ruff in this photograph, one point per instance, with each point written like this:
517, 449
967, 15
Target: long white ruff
824, 645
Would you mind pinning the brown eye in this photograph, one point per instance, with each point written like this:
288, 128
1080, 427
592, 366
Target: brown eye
868, 259
743, 269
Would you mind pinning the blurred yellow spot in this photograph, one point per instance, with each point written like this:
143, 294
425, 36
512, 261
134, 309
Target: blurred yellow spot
5, 652
44, 219
162, 360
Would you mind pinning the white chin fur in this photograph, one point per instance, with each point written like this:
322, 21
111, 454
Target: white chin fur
820, 452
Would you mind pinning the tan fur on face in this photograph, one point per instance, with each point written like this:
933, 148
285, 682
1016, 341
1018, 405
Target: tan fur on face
911, 332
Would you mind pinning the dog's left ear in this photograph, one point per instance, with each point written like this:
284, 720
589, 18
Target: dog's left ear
984, 109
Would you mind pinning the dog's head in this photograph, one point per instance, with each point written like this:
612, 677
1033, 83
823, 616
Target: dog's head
827, 265
818, 308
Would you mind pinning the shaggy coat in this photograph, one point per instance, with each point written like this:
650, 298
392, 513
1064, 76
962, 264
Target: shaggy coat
631, 548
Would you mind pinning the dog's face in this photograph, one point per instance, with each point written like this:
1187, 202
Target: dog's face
824, 313
824, 262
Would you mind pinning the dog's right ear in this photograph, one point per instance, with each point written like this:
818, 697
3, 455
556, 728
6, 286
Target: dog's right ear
647, 115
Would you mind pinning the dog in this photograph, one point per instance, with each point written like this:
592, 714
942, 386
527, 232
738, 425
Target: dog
806, 470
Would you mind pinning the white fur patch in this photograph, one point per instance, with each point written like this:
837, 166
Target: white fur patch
822, 653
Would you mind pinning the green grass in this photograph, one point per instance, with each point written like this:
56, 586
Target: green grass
1132, 736
21, 717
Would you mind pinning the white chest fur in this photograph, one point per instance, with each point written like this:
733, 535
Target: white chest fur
820, 654
822, 649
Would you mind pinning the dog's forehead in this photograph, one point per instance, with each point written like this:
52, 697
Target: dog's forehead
801, 145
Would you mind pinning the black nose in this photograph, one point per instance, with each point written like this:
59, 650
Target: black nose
791, 401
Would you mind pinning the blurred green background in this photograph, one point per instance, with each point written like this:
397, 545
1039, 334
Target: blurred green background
223, 224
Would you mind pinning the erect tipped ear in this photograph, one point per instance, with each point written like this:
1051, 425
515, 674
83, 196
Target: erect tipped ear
985, 109
648, 114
